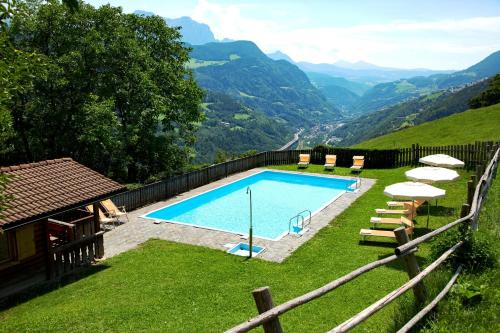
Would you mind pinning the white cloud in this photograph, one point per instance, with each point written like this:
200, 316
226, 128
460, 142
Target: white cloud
400, 43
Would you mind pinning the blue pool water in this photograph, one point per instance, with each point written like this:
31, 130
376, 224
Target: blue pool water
276, 196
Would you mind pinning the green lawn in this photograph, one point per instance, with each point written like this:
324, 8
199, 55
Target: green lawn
455, 315
466, 127
169, 287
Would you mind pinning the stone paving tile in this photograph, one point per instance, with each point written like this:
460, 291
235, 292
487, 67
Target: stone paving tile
129, 235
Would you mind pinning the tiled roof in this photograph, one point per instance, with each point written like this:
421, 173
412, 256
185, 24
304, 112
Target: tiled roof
44, 188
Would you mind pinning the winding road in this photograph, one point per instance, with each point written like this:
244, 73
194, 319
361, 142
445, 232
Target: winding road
291, 142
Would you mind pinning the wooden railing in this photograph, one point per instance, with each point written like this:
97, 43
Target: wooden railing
471, 154
269, 314
67, 258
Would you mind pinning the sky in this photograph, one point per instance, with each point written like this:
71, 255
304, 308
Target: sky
436, 34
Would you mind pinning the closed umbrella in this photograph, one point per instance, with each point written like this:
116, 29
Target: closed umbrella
441, 160
414, 191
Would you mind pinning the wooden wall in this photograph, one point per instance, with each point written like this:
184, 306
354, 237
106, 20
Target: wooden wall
19, 271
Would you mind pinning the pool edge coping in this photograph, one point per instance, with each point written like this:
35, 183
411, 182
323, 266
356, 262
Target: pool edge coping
245, 235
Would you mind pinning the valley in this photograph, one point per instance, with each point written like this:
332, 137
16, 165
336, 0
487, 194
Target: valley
264, 100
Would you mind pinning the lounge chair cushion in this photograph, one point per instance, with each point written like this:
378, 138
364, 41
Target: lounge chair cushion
378, 233
304, 158
330, 159
358, 162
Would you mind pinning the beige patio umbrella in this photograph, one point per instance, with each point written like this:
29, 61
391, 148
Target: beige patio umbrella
430, 175
414, 191
441, 160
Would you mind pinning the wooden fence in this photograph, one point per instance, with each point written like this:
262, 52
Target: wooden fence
70, 257
471, 154
269, 314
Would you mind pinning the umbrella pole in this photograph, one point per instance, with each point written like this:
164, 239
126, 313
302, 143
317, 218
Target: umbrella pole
428, 213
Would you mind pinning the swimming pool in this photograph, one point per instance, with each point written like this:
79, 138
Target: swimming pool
277, 197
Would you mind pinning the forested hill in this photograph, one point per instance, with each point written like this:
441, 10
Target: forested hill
387, 94
276, 88
232, 128
434, 106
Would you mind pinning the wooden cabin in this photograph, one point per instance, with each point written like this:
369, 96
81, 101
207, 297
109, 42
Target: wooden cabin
45, 232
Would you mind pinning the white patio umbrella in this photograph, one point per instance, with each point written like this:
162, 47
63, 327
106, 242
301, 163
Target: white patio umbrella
441, 160
432, 175
414, 191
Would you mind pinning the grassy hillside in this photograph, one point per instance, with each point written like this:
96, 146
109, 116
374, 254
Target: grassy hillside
386, 94
466, 127
408, 114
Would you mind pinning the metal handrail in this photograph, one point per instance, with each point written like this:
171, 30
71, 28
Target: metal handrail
297, 217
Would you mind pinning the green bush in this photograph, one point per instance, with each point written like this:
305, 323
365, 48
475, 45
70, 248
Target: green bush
468, 293
323, 148
488, 97
477, 254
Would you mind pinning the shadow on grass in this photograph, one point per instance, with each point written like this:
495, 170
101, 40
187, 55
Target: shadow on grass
49, 286
443, 211
377, 243
420, 231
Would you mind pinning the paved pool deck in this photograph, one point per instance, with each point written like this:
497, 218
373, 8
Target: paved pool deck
138, 230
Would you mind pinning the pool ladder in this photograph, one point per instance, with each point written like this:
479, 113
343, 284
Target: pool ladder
297, 218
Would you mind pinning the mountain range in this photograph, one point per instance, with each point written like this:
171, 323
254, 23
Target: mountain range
247, 90
277, 88
193, 32
414, 112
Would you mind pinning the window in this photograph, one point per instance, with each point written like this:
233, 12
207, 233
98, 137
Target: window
25, 240
4, 247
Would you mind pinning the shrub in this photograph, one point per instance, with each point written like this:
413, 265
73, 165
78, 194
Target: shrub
476, 254
323, 148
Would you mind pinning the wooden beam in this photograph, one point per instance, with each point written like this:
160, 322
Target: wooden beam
97, 223
264, 302
422, 313
378, 305
46, 246
411, 265
293, 303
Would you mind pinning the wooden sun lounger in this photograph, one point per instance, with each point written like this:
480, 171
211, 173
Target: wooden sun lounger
103, 219
330, 161
113, 210
381, 233
393, 211
408, 211
416, 204
304, 160
358, 162
394, 221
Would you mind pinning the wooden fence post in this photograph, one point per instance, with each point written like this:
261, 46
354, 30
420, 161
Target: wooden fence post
471, 186
463, 213
411, 265
99, 246
264, 302
96, 221
412, 154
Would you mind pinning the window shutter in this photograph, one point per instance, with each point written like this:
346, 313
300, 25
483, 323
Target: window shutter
25, 238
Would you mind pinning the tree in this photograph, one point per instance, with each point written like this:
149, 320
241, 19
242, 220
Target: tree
111, 90
488, 97
4, 198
